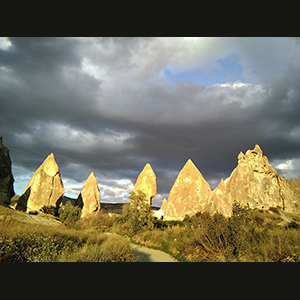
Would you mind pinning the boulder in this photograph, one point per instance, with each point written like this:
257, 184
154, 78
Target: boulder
89, 197
45, 188
188, 195
146, 182
6, 176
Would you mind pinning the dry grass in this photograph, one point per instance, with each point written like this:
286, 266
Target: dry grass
107, 249
25, 242
99, 219
250, 235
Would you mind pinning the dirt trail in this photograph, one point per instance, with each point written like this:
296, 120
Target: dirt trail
145, 254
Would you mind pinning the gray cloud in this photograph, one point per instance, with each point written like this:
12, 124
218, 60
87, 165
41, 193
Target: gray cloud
105, 105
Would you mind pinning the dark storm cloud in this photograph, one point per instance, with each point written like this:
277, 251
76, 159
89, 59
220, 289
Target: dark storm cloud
104, 105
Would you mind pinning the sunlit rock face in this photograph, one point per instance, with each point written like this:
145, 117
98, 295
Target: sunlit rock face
188, 195
45, 188
218, 202
89, 197
146, 182
6, 177
256, 184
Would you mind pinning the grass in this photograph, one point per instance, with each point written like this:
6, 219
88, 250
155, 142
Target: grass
248, 235
25, 242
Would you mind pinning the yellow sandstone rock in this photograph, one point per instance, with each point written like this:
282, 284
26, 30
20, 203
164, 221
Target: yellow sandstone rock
146, 182
44, 188
256, 184
89, 197
188, 195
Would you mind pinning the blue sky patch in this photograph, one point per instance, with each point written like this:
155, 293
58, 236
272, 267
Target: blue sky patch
228, 70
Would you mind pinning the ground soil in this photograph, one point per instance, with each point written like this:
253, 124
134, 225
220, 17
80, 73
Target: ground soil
145, 254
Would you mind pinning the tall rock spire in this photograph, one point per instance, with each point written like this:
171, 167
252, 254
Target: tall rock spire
89, 197
188, 195
45, 188
6, 177
146, 182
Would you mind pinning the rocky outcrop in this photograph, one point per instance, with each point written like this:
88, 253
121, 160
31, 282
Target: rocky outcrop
188, 195
256, 184
164, 205
218, 201
295, 187
6, 177
45, 188
89, 197
146, 182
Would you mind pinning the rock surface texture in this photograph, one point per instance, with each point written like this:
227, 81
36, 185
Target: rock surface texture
44, 188
256, 184
6, 177
188, 195
146, 182
89, 197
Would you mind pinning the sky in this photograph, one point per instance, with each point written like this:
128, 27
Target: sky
111, 105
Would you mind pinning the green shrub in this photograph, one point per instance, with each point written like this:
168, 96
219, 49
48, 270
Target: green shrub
50, 210
293, 224
69, 214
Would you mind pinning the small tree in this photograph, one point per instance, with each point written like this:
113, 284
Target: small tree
137, 214
69, 214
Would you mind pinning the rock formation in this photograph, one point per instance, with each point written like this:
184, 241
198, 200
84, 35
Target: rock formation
164, 205
218, 201
44, 188
146, 182
295, 187
89, 197
256, 184
6, 177
188, 195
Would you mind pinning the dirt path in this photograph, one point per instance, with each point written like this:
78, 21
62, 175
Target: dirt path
145, 254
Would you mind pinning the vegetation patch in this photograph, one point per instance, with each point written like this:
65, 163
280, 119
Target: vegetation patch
21, 242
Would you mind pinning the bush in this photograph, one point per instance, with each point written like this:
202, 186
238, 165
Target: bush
293, 224
69, 214
50, 210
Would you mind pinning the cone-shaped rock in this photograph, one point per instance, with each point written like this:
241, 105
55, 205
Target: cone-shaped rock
146, 182
44, 188
188, 195
256, 184
218, 202
6, 177
89, 197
